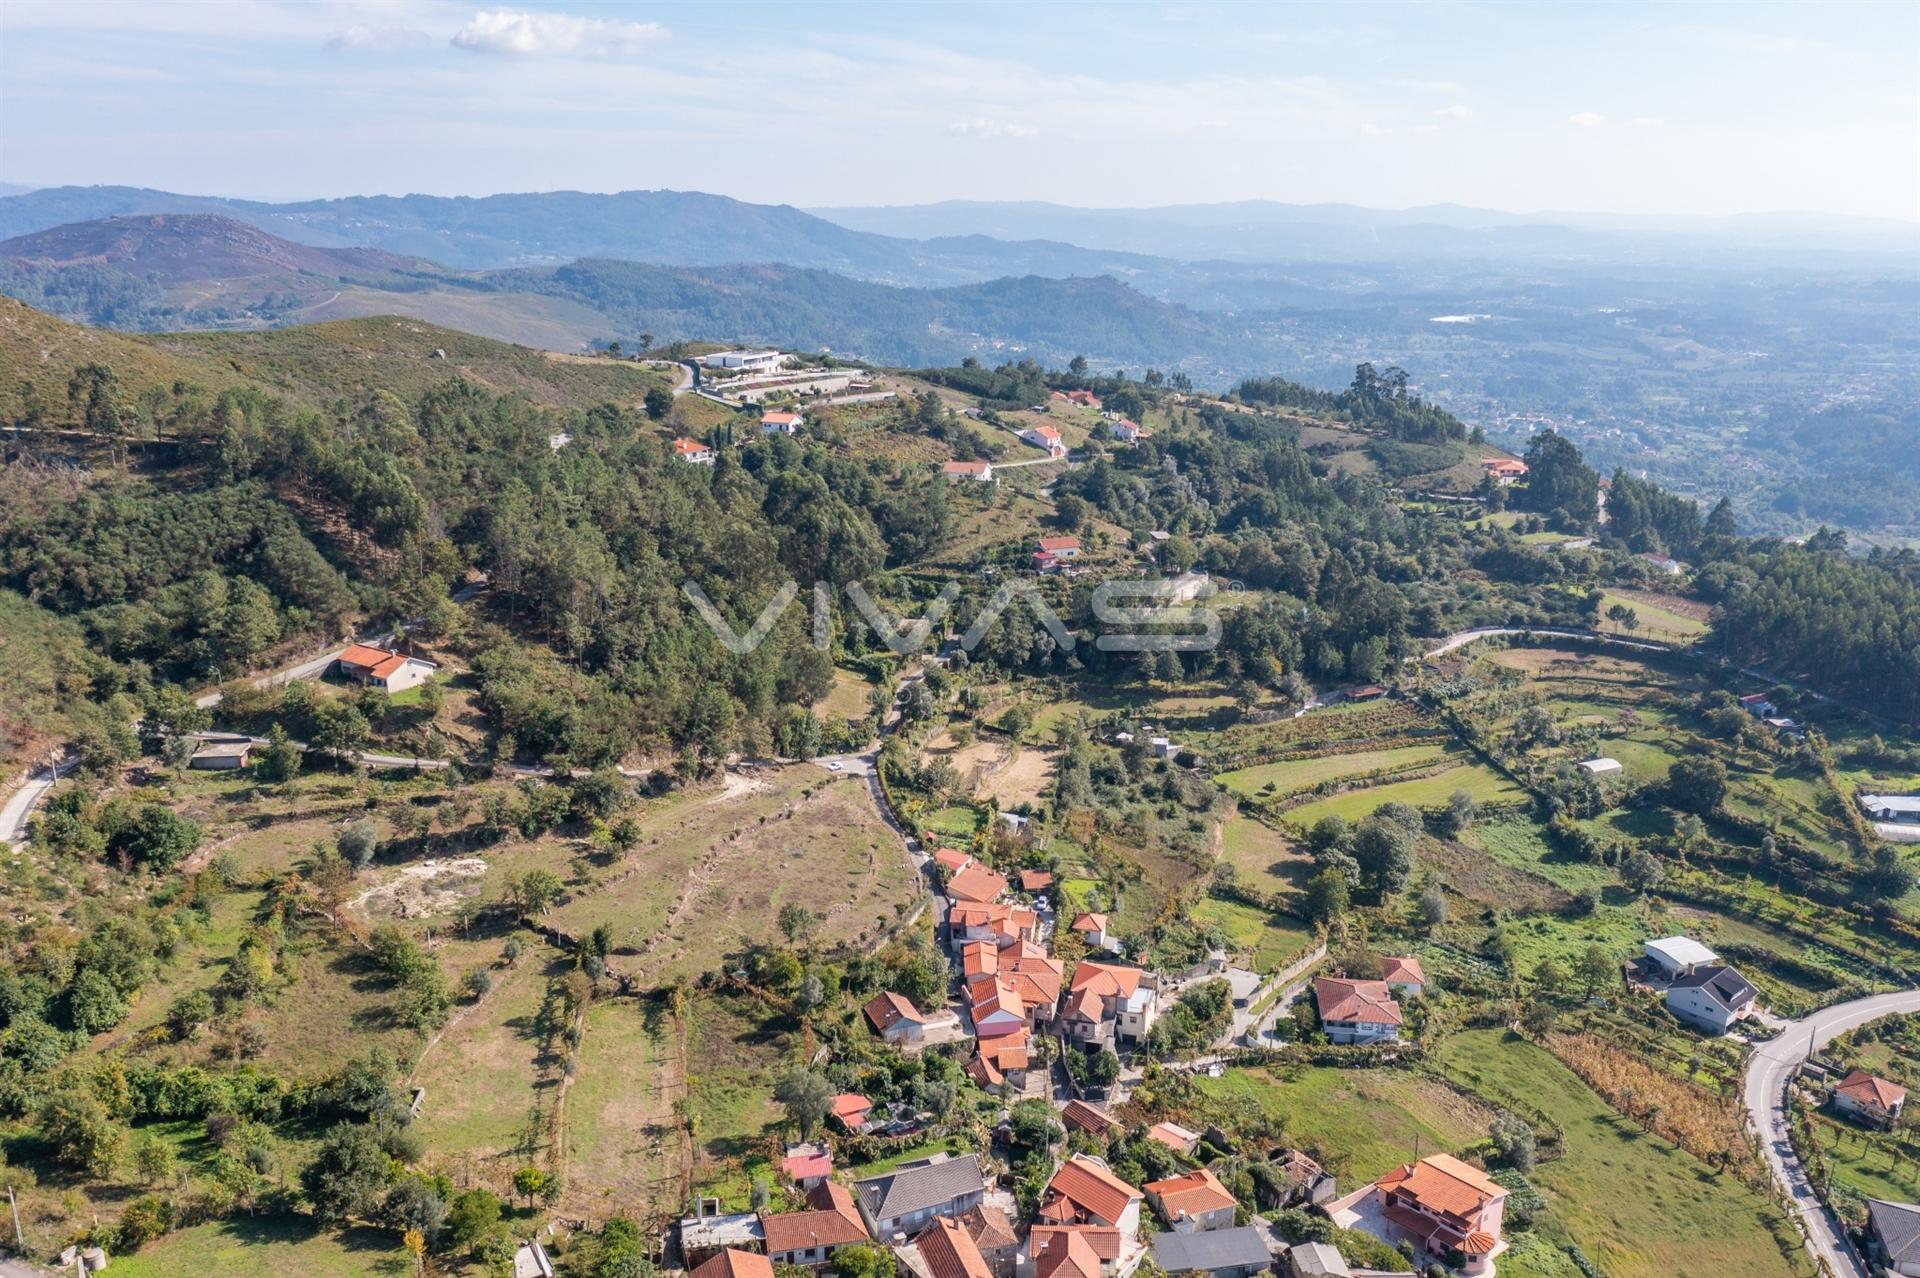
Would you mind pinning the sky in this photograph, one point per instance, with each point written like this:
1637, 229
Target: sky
1640, 108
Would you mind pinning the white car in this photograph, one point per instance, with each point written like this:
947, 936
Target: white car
835, 766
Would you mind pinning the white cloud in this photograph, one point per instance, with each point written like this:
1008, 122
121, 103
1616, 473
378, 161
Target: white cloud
1586, 119
1648, 121
1458, 111
533, 35
1451, 88
362, 38
985, 128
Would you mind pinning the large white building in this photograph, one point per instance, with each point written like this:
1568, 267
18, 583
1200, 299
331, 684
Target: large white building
748, 361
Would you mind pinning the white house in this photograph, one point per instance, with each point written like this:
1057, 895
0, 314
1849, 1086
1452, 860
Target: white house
1663, 563
980, 472
1356, 1011
1046, 437
1403, 976
693, 451
1193, 1203
778, 422
1678, 955
1126, 430
1903, 809
749, 361
1870, 1100
390, 672
1711, 998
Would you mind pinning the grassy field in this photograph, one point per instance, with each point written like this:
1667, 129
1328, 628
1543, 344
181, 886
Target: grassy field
1272, 780
847, 700
488, 1081
1270, 941
1637, 1205
1484, 784
268, 1247
712, 872
1864, 1165
625, 1148
1660, 616
1359, 1123
1262, 857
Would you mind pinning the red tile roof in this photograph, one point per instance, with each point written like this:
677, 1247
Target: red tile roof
1090, 923
889, 1009
1092, 1189
966, 467
1360, 1002
1173, 1136
950, 1251
687, 447
952, 860
1865, 1089
734, 1263
1087, 1118
979, 958
990, 1228
833, 1221
1193, 1194
851, 1108
976, 883
1054, 545
1067, 1253
364, 656
1109, 980
1035, 880
1402, 969
806, 1166
1442, 1183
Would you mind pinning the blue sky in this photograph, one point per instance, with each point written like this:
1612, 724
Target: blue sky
1658, 108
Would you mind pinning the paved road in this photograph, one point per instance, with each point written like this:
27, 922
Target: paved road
1465, 637
18, 809
1769, 1071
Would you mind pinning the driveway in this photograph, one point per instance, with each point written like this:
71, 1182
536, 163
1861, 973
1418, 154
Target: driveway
1769, 1071
18, 809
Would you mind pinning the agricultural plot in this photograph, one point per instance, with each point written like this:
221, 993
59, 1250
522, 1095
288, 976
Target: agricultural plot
1483, 783
490, 1078
1666, 617
1267, 941
1263, 859
1277, 780
1640, 1207
267, 1246
1359, 1123
626, 1150
711, 873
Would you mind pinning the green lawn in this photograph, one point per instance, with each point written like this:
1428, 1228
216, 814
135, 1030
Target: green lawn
1359, 1123
911, 1153
1270, 940
1637, 1205
1522, 844
1655, 621
1483, 783
1263, 858
1274, 779
267, 1247
1862, 1164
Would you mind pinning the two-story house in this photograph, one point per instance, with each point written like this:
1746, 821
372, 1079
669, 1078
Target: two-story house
1711, 998
831, 1221
1865, 1099
1192, 1203
1353, 1011
902, 1202
1438, 1204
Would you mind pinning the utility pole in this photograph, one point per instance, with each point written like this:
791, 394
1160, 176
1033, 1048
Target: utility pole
19, 1239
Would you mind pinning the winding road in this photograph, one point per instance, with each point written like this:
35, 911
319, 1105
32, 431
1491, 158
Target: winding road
1769, 1072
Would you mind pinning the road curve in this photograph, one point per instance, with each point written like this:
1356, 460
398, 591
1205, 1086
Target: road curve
1769, 1071
17, 811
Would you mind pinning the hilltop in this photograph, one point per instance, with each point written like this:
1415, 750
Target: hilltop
183, 247
311, 364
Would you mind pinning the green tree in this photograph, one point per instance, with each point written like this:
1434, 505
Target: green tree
659, 402
347, 1176
528, 1182
340, 729
471, 1216
805, 1096
1697, 785
1328, 897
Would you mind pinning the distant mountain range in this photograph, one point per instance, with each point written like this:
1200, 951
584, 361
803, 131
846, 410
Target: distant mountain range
203, 270
671, 228
1268, 231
